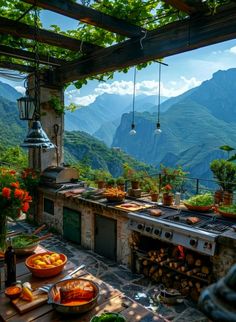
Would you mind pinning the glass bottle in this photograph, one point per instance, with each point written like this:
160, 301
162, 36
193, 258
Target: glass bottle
10, 266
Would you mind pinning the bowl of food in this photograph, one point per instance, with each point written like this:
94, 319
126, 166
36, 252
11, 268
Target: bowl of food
24, 244
13, 292
228, 211
202, 202
73, 296
46, 264
108, 317
114, 194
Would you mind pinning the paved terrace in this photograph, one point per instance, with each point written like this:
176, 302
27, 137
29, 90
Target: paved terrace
135, 286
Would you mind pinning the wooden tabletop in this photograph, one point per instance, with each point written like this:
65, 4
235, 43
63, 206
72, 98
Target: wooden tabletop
110, 300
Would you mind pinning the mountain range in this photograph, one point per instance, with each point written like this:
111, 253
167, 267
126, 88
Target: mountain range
194, 125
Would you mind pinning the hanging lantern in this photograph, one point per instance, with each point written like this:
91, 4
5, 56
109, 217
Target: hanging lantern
26, 107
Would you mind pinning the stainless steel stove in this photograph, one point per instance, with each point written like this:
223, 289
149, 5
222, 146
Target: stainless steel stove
173, 226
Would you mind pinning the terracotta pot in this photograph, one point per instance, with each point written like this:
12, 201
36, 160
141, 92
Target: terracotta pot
167, 199
154, 196
218, 197
227, 198
135, 184
101, 184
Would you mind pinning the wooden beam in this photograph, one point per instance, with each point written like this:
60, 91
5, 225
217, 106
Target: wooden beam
189, 7
28, 55
12, 66
171, 39
89, 16
22, 30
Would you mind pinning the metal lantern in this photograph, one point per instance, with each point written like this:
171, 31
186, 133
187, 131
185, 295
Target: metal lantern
26, 106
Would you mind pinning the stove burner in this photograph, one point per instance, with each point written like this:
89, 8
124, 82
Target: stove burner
217, 226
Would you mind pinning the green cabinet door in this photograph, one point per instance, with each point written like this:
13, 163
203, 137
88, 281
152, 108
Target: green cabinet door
72, 225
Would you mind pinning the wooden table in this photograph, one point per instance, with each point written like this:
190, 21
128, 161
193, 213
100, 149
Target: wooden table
110, 299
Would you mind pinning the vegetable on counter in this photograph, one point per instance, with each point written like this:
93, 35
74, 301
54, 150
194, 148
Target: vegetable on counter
205, 199
228, 209
109, 317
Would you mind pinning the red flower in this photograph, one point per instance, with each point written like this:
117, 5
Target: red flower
168, 187
25, 207
19, 194
13, 172
15, 184
6, 192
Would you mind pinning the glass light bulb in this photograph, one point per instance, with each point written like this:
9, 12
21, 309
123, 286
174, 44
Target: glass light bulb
132, 132
158, 131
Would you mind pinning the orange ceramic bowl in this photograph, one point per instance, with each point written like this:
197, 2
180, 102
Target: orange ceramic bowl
13, 292
198, 208
47, 269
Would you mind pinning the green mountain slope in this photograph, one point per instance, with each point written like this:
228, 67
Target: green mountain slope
83, 147
190, 136
12, 130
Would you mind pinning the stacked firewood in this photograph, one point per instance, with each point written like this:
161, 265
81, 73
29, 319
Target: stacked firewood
186, 272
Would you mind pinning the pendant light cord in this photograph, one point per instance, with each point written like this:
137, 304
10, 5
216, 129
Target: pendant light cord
36, 65
134, 89
159, 95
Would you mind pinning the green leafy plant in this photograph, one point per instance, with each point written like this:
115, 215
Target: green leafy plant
205, 199
229, 209
57, 105
150, 185
120, 181
172, 176
132, 174
225, 173
101, 175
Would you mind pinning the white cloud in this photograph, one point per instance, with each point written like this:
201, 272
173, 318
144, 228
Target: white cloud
84, 100
146, 87
20, 89
232, 50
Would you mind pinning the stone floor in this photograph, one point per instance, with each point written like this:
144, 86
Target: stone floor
135, 286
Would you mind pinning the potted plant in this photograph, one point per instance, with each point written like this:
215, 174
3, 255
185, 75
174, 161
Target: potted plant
100, 177
120, 182
167, 195
133, 176
151, 186
110, 182
224, 172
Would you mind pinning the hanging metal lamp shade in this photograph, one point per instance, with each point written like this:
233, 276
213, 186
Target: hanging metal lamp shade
37, 138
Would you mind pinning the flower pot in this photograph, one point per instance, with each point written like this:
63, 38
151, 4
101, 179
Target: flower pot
101, 184
227, 198
135, 184
167, 199
218, 197
154, 196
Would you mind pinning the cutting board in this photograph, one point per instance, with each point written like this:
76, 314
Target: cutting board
133, 206
25, 306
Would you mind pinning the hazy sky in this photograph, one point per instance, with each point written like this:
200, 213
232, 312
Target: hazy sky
184, 71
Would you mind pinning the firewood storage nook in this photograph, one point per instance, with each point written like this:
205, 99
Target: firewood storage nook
169, 249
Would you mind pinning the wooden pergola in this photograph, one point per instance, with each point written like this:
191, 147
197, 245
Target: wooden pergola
198, 29
195, 28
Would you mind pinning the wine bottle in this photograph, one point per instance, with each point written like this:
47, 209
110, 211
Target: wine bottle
10, 266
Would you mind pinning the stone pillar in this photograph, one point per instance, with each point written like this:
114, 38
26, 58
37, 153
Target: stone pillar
50, 119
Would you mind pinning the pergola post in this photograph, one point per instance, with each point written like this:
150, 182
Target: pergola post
53, 125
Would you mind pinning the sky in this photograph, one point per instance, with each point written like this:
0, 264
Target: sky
184, 71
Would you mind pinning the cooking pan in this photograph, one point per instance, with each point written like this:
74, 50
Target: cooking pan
54, 299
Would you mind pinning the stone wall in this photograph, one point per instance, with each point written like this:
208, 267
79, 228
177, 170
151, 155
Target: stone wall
88, 210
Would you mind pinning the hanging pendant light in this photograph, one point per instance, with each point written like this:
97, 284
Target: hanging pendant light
26, 106
37, 137
133, 131
158, 125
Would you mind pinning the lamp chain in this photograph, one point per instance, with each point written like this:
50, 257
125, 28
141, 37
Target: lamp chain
36, 65
134, 89
159, 95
